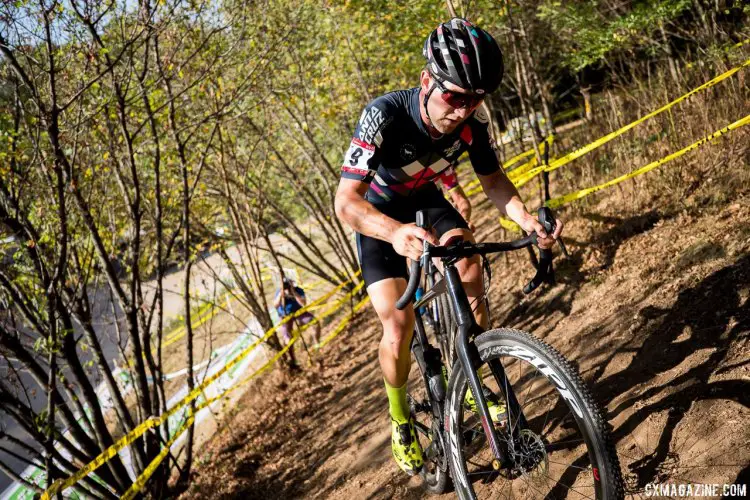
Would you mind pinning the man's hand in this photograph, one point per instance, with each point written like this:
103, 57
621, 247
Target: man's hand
407, 240
545, 240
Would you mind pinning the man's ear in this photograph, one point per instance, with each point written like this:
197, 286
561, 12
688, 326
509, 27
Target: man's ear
424, 80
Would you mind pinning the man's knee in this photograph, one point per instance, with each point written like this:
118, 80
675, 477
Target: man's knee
470, 270
397, 332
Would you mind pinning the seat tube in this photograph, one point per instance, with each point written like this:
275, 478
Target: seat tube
468, 356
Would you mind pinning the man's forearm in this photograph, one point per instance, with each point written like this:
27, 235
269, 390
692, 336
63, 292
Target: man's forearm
505, 196
462, 203
365, 219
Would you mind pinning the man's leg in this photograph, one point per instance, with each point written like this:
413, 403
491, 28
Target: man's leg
398, 326
317, 332
395, 362
286, 331
306, 318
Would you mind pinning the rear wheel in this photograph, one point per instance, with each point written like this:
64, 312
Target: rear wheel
565, 450
435, 471
447, 329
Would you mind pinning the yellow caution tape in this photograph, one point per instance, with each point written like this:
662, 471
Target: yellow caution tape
557, 202
182, 331
149, 471
62, 484
590, 147
528, 174
106, 455
332, 309
509, 163
202, 318
151, 468
510, 225
564, 160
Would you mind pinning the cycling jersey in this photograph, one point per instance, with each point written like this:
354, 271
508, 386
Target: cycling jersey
392, 150
449, 178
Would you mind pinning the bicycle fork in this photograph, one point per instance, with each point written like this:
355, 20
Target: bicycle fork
468, 356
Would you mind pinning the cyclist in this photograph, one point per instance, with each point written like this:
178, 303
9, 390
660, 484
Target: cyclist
402, 143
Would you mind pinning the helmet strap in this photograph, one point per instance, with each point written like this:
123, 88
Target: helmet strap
426, 111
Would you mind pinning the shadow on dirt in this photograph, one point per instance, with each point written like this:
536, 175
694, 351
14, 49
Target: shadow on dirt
311, 405
535, 313
709, 316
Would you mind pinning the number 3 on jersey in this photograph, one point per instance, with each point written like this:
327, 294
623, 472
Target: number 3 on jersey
358, 156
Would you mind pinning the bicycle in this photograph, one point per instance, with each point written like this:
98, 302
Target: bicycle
534, 450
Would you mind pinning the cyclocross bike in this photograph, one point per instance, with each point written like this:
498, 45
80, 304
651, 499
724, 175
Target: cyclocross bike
549, 442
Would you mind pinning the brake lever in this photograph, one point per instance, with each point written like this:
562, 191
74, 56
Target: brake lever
544, 272
547, 220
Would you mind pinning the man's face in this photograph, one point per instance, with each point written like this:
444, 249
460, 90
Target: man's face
445, 117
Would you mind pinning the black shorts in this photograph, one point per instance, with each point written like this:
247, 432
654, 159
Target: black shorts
378, 259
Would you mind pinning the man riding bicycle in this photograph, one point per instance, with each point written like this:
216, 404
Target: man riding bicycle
403, 142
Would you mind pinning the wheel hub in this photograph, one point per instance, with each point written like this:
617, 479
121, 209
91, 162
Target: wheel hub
530, 455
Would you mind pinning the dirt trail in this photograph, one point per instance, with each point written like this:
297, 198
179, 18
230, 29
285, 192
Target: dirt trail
653, 309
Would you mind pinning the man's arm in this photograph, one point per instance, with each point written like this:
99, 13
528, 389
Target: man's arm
352, 208
505, 196
277, 300
462, 203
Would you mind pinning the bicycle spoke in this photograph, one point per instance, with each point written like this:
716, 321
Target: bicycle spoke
550, 455
526, 396
568, 465
528, 483
569, 487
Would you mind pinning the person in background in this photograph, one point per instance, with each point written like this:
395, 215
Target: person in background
290, 299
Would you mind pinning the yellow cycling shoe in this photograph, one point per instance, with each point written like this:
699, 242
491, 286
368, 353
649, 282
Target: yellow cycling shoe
406, 449
496, 407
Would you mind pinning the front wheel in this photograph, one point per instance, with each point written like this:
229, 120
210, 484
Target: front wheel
564, 450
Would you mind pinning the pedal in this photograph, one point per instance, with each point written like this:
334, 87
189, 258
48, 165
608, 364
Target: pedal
417, 407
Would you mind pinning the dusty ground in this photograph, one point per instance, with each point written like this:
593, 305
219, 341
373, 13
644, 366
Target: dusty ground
653, 308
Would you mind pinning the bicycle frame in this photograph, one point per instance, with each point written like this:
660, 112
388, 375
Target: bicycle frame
467, 352
468, 357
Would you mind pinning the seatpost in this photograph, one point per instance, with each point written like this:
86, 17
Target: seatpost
468, 356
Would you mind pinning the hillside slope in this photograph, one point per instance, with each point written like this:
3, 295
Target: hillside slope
653, 308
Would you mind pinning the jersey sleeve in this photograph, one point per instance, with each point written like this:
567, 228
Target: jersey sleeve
449, 178
363, 156
482, 146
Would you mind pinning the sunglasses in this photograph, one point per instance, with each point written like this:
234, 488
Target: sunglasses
457, 100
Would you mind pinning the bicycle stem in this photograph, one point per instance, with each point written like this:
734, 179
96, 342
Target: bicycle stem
468, 356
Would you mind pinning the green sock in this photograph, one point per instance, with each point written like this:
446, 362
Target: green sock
397, 404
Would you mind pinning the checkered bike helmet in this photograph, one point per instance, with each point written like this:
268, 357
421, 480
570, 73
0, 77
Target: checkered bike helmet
465, 55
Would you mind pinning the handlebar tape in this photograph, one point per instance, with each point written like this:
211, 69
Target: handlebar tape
415, 268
